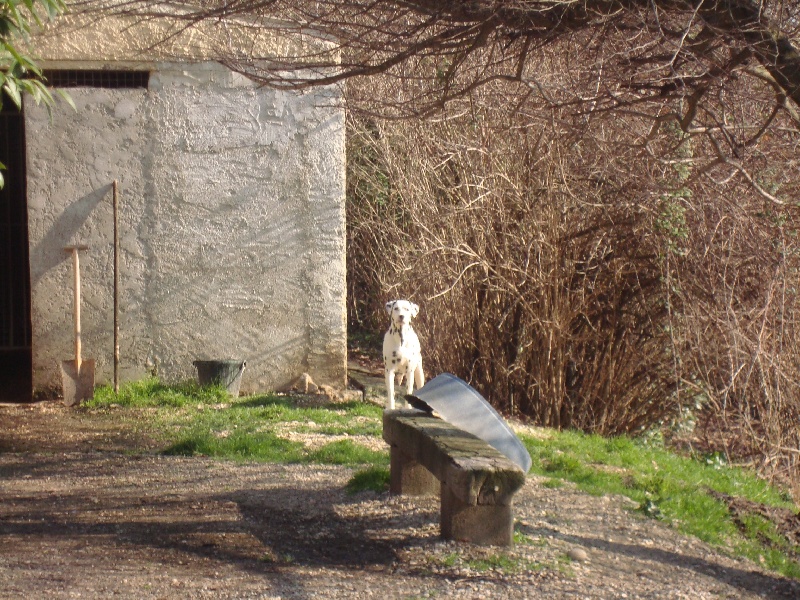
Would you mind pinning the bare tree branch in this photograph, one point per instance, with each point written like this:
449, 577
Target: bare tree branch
673, 43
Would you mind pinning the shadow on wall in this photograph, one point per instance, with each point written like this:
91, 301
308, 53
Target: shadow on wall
49, 251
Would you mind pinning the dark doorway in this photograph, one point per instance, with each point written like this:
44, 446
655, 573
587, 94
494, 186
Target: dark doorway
16, 383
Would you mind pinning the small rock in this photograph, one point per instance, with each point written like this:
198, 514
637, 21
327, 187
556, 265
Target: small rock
578, 554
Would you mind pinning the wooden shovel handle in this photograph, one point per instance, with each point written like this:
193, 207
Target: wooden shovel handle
76, 267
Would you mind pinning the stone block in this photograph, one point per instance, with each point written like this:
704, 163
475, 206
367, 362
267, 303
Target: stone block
484, 524
409, 477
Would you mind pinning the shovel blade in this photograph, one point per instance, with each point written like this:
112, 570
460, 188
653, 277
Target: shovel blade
78, 384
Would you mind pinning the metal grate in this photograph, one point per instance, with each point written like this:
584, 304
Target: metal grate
97, 79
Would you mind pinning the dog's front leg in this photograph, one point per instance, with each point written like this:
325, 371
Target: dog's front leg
409, 382
390, 389
419, 376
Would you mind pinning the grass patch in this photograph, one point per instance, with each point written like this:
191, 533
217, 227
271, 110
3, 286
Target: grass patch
678, 490
345, 452
523, 539
373, 479
150, 393
499, 562
205, 421
242, 445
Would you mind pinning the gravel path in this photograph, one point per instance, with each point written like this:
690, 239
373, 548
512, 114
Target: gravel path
81, 519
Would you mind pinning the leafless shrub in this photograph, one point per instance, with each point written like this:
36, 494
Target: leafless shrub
582, 280
741, 348
540, 283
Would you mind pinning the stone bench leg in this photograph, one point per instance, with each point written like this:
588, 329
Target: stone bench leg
408, 477
487, 525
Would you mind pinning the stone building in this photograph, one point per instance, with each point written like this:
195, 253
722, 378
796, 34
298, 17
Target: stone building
231, 211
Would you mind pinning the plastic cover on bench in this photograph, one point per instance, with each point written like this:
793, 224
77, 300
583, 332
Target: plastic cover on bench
458, 403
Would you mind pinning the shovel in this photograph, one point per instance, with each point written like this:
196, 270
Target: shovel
77, 375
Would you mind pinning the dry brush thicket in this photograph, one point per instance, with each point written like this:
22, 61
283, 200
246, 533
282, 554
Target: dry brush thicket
607, 272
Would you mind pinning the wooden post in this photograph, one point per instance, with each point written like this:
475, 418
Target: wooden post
76, 268
116, 290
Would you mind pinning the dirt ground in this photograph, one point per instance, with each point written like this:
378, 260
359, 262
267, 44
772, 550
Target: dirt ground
89, 509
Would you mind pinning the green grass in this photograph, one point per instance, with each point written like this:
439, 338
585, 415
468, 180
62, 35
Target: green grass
151, 393
197, 421
663, 485
243, 445
672, 488
375, 479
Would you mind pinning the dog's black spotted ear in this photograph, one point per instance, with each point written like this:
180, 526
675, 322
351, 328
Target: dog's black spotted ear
390, 305
418, 404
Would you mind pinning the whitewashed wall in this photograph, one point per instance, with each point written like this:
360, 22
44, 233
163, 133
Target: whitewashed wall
231, 225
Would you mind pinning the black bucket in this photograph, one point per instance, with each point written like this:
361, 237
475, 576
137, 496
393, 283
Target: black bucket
227, 373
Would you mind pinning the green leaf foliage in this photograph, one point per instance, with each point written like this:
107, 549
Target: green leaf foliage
22, 75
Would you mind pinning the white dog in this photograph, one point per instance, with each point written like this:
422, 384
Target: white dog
401, 350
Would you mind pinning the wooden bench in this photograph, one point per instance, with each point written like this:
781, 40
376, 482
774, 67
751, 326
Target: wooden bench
476, 483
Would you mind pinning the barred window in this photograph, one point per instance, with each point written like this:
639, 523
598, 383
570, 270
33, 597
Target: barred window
97, 78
